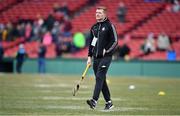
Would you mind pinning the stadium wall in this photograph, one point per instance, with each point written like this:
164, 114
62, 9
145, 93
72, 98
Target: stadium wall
123, 68
6, 65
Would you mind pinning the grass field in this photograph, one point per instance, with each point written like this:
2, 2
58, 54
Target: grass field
52, 95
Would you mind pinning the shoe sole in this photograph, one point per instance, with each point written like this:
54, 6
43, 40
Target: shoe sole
110, 108
88, 102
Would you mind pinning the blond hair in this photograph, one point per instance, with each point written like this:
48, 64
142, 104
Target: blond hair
103, 8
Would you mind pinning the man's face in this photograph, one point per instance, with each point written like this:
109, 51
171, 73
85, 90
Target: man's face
100, 15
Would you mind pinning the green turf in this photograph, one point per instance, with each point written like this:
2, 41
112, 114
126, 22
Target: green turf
51, 95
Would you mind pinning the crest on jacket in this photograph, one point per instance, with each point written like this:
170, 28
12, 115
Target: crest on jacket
103, 28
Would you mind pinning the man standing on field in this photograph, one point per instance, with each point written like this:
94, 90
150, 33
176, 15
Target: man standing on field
103, 40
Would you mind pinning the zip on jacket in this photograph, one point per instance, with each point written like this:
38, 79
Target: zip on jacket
98, 39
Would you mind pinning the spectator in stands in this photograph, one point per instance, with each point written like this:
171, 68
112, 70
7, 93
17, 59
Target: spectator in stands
20, 57
49, 22
56, 7
176, 6
15, 32
20, 20
28, 31
9, 31
67, 27
36, 31
40, 20
41, 25
124, 50
55, 31
121, 12
65, 43
169, 1
59, 17
4, 34
171, 54
1, 35
1, 52
163, 42
65, 35
58, 49
21, 30
149, 44
1, 31
47, 38
63, 9
92, 2
41, 59
177, 38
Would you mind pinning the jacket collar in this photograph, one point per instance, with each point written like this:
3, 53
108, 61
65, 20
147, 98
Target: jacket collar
105, 19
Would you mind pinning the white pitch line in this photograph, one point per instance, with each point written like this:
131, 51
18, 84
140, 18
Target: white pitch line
74, 98
71, 107
46, 91
123, 109
57, 85
50, 107
51, 85
66, 107
66, 91
63, 98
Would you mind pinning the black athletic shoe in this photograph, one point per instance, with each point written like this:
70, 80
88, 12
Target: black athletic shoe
91, 103
108, 105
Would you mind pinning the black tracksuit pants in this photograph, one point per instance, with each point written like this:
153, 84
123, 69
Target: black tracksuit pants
19, 66
100, 67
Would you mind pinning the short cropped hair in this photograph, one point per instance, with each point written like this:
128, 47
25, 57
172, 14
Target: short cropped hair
103, 8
